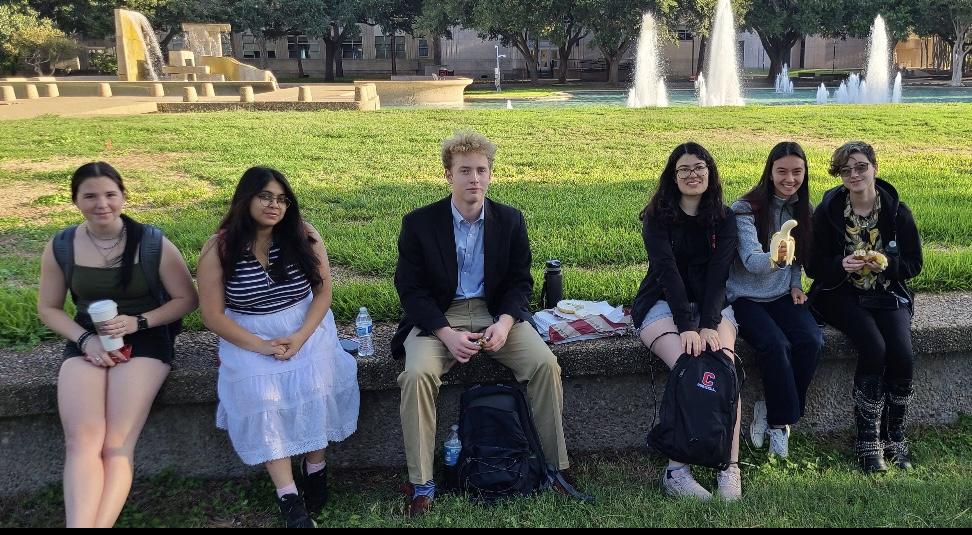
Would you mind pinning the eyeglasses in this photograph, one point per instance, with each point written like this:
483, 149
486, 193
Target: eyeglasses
860, 168
267, 198
682, 173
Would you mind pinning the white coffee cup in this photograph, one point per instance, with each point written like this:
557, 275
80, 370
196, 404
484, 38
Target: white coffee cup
100, 312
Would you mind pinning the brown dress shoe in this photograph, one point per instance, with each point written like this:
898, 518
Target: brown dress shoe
417, 505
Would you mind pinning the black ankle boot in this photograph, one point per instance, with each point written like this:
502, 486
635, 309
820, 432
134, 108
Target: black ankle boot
868, 405
314, 488
294, 513
896, 401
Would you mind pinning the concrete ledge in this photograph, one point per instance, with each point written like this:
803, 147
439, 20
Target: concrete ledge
609, 400
187, 107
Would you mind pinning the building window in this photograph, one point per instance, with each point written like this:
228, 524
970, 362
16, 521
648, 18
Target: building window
299, 47
685, 35
423, 48
352, 49
381, 48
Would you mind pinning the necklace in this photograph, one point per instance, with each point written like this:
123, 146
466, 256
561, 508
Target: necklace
105, 252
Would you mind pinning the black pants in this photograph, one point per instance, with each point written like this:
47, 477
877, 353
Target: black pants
882, 337
787, 341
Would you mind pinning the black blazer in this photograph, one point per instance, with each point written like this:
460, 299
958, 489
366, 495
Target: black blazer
428, 272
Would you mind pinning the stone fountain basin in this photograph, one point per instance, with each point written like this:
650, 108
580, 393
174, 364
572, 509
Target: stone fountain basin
421, 91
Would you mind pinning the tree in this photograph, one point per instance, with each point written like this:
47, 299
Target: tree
262, 18
780, 24
516, 23
436, 21
615, 26
343, 24
26, 37
952, 21
567, 30
394, 17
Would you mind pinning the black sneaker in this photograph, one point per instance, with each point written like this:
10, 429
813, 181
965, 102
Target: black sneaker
314, 488
293, 512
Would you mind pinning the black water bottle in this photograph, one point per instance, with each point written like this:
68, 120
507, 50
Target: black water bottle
553, 285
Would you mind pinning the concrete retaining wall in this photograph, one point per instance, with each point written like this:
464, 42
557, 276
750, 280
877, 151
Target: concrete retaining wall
608, 399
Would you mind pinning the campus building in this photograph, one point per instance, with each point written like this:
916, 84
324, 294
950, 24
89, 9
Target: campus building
469, 55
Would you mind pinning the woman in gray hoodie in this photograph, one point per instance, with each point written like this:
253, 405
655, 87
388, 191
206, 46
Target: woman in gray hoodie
765, 290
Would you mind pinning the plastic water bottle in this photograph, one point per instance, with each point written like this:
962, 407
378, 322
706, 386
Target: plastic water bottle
452, 447
363, 326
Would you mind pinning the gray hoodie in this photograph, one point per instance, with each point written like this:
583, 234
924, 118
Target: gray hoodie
752, 276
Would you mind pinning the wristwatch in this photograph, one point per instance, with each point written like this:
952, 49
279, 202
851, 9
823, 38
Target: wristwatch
142, 322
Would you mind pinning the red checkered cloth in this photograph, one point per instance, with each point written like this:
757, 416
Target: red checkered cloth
589, 326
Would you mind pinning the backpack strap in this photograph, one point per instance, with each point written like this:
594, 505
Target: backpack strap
63, 249
150, 257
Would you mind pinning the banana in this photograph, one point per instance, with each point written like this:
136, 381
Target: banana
871, 256
783, 236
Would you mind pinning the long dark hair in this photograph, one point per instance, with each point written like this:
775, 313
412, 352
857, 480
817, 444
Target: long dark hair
133, 229
761, 196
664, 203
238, 230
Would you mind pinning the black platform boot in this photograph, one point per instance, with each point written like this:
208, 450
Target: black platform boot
897, 397
868, 405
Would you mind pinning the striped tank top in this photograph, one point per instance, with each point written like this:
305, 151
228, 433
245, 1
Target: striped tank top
252, 290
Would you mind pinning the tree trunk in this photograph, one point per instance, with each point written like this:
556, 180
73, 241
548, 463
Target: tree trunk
330, 52
958, 58
614, 69
338, 66
393, 56
437, 50
263, 53
564, 52
300, 64
164, 44
701, 62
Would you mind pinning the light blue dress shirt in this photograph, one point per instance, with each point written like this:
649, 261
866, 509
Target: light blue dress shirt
469, 254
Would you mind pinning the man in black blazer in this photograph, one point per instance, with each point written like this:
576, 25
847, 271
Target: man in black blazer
464, 281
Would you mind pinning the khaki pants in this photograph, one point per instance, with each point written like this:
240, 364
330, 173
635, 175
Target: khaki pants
427, 360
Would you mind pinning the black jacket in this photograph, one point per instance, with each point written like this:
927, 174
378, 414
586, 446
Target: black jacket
707, 273
427, 273
895, 223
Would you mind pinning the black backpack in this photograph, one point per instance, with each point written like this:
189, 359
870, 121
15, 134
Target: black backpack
149, 259
501, 454
698, 411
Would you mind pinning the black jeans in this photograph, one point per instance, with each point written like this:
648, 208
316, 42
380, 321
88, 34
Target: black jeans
882, 337
787, 341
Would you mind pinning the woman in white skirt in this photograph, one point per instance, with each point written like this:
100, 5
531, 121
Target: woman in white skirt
286, 387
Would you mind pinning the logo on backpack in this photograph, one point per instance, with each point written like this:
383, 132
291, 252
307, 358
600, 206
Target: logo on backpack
707, 382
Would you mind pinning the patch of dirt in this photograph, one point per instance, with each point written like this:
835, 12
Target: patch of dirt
140, 161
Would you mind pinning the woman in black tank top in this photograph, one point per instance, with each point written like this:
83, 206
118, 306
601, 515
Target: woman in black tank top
103, 396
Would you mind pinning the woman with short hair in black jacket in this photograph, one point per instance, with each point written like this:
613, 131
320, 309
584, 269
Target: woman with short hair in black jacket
690, 237
866, 246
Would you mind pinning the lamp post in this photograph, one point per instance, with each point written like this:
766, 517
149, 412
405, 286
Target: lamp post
496, 73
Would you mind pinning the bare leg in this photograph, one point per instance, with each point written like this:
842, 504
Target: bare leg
315, 457
668, 347
81, 403
132, 387
281, 472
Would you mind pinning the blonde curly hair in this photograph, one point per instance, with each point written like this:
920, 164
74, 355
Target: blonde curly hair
467, 142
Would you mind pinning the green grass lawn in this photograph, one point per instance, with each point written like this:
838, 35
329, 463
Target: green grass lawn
819, 487
580, 175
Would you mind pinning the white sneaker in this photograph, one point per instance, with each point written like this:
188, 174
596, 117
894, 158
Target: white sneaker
757, 429
730, 484
680, 484
779, 442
